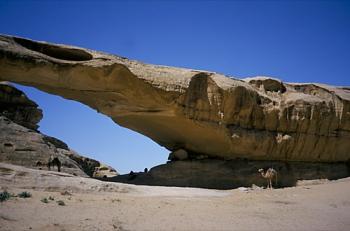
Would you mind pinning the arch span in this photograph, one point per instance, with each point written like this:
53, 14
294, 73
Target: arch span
202, 112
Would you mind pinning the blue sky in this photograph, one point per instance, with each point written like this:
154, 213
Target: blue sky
296, 41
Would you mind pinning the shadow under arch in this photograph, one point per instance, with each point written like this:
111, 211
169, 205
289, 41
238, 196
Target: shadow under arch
230, 174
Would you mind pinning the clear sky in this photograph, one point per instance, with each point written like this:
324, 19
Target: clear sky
296, 41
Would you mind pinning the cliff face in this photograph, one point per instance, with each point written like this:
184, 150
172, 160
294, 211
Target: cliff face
22, 144
17, 107
205, 113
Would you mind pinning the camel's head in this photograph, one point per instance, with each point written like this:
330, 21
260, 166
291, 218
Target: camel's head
261, 170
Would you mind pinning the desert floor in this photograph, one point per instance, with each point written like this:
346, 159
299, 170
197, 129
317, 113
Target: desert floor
94, 205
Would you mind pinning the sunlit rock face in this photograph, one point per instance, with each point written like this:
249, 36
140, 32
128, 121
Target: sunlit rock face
204, 113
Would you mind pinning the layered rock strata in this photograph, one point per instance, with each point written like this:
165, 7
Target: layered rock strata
229, 174
22, 144
204, 113
17, 107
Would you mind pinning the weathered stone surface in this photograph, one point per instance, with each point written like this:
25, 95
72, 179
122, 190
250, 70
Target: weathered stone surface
104, 171
22, 145
17, 107
267, 84
179, 154
229, 174
199, 111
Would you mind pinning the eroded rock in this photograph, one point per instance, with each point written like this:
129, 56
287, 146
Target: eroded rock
16, 106
21, 144
179, 154
202, 112
229, 174
267, 84
104, 171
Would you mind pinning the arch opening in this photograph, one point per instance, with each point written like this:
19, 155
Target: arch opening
94, 135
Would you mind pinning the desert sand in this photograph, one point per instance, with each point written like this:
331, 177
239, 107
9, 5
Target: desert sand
95, 205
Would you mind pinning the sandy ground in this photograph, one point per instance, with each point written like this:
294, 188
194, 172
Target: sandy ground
96, 205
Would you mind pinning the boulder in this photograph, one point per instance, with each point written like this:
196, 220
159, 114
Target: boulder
202, 112
179, 154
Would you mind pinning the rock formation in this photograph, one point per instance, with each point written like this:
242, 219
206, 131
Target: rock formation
18, 108
104, 171
204, 113
179, 154
228, 174
22, 144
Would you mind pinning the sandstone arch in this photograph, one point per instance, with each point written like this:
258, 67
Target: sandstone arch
199, 111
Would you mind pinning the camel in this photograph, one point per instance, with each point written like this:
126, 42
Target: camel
269, 175
54, 161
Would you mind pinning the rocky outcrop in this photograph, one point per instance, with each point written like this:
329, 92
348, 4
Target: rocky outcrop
267, 84
229, 174
204, 113
22, 144
18, 108
104, 171
91, 167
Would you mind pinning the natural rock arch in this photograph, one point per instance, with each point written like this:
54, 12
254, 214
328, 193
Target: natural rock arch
199, 111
